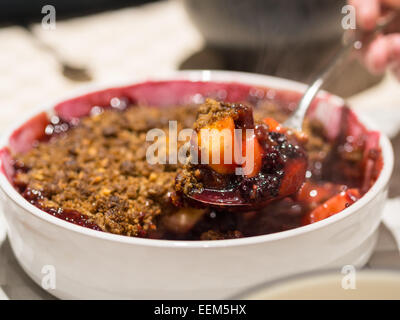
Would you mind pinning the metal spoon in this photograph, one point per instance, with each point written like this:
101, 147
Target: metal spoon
350, 42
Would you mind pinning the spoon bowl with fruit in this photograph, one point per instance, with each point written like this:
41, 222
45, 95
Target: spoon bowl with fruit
239, 164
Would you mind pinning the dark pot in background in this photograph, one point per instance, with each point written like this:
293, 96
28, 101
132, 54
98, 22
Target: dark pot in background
286, 38
259, 23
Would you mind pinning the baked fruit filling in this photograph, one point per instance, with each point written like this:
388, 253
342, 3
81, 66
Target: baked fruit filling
255, 162
94, 171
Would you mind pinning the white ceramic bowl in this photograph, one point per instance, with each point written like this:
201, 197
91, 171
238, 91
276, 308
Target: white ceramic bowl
92, 264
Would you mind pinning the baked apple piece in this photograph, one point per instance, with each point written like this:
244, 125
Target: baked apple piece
236, 163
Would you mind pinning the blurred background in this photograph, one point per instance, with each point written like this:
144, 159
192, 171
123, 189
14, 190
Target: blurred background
286, 38
111, 40
108, 41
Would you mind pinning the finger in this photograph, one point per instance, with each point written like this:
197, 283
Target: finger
393, 41
367, 12
383, 52
377, 55
394, 53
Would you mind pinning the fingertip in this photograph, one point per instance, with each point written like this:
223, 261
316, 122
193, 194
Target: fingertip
367, 13
377, 55
394, 42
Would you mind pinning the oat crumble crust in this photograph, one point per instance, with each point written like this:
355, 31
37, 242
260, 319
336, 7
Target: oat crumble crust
99, 169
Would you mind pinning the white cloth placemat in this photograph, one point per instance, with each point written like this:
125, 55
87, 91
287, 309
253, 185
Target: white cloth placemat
3, 296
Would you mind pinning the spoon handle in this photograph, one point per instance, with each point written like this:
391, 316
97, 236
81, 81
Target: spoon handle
354, 41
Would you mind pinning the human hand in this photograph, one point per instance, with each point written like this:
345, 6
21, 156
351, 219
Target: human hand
384, 51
